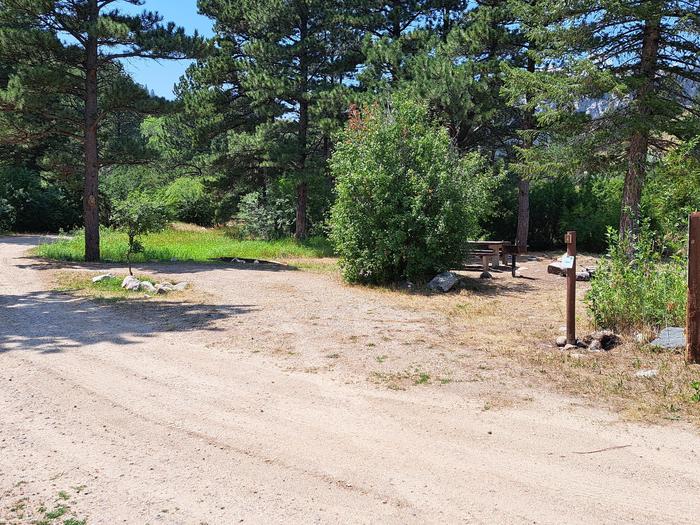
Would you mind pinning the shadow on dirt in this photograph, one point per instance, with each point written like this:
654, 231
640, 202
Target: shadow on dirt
50, 322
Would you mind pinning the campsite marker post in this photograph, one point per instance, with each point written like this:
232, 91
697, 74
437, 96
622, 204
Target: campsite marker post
570, 240
693, 319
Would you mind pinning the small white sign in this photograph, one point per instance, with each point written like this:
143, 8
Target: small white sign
567, 261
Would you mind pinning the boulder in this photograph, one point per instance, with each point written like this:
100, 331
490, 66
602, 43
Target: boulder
583, 276
443, 282
561, 341
145, 286
181, 287
670, 338
102, 277
163, 288
556, 268
131, 283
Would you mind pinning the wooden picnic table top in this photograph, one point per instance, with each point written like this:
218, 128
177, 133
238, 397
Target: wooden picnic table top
489, 243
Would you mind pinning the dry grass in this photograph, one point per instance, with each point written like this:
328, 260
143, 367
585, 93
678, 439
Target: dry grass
80, 284
519, 320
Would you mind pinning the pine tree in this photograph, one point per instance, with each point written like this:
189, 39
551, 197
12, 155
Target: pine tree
64, 50
637, 58
292, 58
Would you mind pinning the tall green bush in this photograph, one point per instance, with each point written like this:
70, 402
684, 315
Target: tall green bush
188, 201
647, 292
406, 202
30, 204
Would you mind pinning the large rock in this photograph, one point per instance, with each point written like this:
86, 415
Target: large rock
163, 288
556, 268
181, 287
145, 286
102, 277
443, 282
670, 338
131, 283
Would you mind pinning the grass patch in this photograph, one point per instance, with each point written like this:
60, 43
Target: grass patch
199, 246
81, 284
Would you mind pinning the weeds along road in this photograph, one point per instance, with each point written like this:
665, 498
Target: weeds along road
226, 409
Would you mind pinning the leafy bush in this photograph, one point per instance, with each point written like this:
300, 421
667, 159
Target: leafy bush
267, 219
645, 292
595, 210
28, 203
8, 216
138, 215
189, 202
673, 191
406, 202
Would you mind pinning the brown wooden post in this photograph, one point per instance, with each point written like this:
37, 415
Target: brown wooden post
570, 240
693, 319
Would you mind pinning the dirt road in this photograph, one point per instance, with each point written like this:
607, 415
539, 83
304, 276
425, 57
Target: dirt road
256, 406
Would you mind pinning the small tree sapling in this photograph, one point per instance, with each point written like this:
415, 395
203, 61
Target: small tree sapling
136, 216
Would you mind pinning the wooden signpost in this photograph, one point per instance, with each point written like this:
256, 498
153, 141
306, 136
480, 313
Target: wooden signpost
693, 319
570, 265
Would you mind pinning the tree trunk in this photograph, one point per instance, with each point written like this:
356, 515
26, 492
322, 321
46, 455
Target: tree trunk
300, 232
523, 231
91, 214
639, 141
302, 187
523, 214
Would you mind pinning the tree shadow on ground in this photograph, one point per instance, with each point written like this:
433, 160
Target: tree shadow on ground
34, 263
50, 322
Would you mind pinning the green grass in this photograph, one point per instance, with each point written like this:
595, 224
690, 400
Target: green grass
197, 246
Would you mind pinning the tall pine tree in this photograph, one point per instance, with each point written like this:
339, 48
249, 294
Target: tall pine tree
63, 49
292, 59
635, 59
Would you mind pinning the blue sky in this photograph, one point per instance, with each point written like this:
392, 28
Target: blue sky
162, 75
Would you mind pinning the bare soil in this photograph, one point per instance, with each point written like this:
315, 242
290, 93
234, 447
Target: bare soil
275, 395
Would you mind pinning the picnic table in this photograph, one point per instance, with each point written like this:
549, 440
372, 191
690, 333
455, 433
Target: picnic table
497, 252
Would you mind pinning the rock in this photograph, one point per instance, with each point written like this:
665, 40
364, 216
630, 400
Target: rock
131, 283
607, 339
485, 275
647, 373
103, 277
256, 261
591, 271
181, 287
595, 346
145, 286
570, 347
583, 276
561, 341
556, 268
670, 338
163, 288
443, 282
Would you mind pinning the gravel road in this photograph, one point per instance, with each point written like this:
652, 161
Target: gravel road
227, 410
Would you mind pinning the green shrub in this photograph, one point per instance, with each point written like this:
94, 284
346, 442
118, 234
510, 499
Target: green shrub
645, 292
406, 202
267, 219
28, 203
136, 216
673, 191
189, 202
7, 215
595, 210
